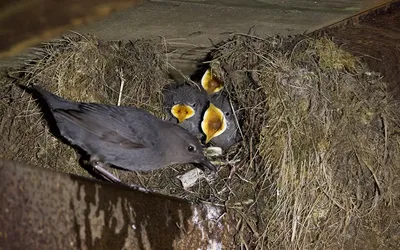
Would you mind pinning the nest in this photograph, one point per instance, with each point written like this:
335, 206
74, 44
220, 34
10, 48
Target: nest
318, 163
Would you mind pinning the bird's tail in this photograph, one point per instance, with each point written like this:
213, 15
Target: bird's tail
52, 100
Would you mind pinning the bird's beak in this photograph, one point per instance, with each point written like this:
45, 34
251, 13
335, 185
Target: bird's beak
214, 122
182, 112
210, 83
206, 163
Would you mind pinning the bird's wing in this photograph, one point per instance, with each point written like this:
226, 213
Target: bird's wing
111, 124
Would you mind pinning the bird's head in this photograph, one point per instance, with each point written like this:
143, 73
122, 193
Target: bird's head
183, 147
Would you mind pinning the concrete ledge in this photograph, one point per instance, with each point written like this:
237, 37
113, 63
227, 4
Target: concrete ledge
41, 209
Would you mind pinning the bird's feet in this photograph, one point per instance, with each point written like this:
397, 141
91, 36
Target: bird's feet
98, 166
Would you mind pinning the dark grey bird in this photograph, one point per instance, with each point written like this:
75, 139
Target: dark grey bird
121, 136
227, 118
186, 104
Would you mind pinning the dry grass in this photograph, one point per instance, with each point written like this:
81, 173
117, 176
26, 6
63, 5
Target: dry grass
82, 69
322, 136
318, 167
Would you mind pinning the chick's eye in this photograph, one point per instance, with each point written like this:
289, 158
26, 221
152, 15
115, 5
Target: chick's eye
227, 114
191, 148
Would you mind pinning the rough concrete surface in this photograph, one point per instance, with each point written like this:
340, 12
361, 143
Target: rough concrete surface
198, 22
41, 209
202, 23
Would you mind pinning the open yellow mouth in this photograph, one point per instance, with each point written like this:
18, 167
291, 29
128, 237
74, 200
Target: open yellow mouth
210, 83
213, 123
182, 112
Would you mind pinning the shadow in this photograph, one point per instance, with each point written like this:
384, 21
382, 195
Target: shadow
201, 68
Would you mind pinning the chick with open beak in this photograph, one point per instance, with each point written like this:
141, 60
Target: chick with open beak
221, 122
233, 116
211, 83
182, 112
214, 122
185, 104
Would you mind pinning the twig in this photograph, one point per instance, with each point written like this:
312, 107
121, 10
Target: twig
121, 77
236, 119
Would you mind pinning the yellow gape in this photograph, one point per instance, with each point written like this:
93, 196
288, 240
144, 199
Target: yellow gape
210, 83
182, 112
213, 123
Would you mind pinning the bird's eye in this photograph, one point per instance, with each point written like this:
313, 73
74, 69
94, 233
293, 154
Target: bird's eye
227, 114
194, 105
191, 148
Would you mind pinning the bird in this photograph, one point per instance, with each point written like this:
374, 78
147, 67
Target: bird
186, 104
227, 114
207, 113
219, 123
213, 123
211, 83
123, 136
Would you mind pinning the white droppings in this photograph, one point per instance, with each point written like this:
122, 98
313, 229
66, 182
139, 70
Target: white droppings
214, 245
117, 215
195, 217
144, 236
96, 216
141, 189
206, 220
196, 221
81, 216
212, 212
133, 226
